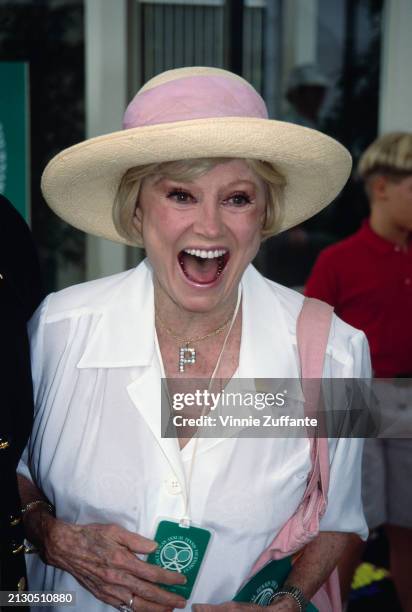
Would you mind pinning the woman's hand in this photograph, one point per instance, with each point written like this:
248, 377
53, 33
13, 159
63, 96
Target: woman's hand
285, 604
309, 572
103, 559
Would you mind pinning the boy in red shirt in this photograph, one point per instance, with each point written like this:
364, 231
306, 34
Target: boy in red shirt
368, 279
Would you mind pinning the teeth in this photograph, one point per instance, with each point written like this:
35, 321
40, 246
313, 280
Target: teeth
206, 254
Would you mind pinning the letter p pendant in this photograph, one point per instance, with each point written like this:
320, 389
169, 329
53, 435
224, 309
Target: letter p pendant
187, 356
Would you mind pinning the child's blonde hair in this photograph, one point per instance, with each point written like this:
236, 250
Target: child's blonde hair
389, 155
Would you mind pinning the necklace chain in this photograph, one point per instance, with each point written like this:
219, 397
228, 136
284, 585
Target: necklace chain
196, 339
185, 520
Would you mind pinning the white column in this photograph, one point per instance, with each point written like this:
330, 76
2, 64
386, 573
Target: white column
106, 91
300, 33
395, 109
306, 31
273, 57
300, 25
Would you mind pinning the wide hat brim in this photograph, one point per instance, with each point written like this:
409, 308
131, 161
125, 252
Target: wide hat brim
81, 182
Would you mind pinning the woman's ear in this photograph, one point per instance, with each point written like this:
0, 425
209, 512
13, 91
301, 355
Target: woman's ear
138, 219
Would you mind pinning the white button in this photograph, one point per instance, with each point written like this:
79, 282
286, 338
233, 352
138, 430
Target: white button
301, 475
173, 486
407, 281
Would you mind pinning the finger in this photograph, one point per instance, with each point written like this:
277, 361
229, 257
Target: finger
154, 573
146, 590
153, 593
109, 578
112, 595
140, 605
128, 563
283, 606
114, 579
116, 597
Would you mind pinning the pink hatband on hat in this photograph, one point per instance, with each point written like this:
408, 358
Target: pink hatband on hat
197, 97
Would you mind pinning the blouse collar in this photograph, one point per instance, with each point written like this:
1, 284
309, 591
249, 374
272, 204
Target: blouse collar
124, 335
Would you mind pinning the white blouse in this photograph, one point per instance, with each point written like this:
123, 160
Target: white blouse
96, 448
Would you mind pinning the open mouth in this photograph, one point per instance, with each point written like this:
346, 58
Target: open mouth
203, 266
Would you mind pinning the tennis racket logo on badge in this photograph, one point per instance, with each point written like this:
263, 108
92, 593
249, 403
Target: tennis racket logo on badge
177, 555
264, 597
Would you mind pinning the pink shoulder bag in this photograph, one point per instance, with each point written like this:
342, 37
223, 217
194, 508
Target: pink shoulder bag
312, 336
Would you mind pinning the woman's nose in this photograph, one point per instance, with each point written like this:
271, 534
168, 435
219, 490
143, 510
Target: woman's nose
208, 220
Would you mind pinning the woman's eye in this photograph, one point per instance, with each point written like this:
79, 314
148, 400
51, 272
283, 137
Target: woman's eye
178, 195
239, 199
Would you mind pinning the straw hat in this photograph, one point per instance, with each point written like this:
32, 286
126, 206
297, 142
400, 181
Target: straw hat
192, 113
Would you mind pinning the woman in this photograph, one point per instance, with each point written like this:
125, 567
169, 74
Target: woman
199, 176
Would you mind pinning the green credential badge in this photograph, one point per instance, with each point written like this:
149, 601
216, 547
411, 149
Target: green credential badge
180, 549
260, 589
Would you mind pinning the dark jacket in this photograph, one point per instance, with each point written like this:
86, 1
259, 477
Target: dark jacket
20, 294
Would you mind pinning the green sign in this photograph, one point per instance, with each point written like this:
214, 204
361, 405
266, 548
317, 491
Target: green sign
14, 135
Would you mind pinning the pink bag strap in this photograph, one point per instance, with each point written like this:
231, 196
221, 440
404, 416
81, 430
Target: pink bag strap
313, 327
312, 330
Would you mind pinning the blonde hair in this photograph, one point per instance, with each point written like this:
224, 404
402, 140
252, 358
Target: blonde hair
390, 155
187, 170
